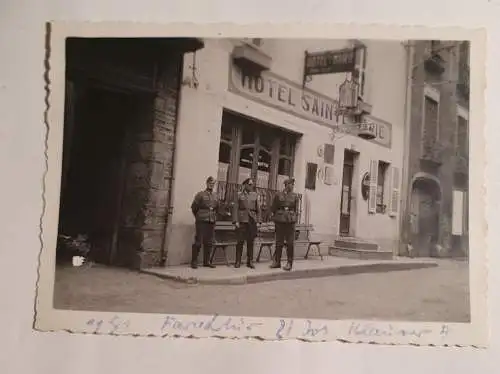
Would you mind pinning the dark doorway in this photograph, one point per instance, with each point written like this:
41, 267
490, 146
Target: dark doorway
425, 222
346, 193
94, 163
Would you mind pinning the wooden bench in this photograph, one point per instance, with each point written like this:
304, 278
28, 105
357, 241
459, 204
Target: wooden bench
225, 236
267, 238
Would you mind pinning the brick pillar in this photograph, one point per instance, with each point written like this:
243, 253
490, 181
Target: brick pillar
148, 181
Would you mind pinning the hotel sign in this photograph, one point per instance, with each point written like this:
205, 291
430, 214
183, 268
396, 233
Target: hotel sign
279, 93
330, 62
381, 130
282, 94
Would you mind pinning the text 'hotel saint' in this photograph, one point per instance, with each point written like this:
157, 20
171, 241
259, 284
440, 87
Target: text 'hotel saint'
289, 97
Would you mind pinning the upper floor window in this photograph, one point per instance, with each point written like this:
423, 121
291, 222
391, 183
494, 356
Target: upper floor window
431, 118
462, 133
256, 42
464, 53
435, 46
464, 70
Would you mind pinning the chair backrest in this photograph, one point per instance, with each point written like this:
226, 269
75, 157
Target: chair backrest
225, 232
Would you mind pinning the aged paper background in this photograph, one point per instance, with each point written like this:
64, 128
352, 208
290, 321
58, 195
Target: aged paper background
21, 108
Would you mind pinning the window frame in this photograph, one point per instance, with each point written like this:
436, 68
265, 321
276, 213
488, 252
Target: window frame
238, 123
382, 207
464, 114
433, 94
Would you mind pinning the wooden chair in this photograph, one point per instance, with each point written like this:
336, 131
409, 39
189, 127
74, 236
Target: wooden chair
266, 239
312, 243
225, 236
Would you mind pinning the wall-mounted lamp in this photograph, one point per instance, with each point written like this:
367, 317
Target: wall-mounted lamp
192, 81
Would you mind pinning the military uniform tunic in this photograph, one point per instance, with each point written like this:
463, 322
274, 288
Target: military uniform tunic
204, 207
246, 214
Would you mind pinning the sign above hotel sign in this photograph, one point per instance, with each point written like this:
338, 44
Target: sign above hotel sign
330, 62
279, 93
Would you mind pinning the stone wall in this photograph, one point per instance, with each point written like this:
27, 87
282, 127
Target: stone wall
149, 172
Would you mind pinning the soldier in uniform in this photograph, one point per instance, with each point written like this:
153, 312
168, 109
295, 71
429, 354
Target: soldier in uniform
204, 207
284, 210
246, 218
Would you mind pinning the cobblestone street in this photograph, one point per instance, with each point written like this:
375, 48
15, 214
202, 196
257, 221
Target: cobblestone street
434, 294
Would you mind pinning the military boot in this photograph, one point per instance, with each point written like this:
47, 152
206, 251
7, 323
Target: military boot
277, 258
289, 255
250, 255
195, 250
239, 253
206, 257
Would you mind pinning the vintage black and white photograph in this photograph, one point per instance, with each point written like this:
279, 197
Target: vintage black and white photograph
312, 178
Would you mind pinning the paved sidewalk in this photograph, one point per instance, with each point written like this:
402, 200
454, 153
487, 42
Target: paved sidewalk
311, 268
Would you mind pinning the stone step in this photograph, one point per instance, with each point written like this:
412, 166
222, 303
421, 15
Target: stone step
360, 254
355, 243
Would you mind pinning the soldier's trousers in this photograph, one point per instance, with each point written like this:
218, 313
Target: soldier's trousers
204, 237
246, 233
285, 233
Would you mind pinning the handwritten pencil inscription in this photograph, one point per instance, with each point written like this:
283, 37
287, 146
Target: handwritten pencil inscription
284, 329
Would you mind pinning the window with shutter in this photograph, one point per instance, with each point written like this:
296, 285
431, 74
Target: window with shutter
372, 199
394, 202
383, 167
462, 141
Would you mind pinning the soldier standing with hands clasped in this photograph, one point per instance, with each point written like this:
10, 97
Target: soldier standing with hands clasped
204, 207
284, 211
246, 218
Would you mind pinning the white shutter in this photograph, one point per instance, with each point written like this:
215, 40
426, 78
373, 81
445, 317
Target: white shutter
328, 175
457, 222
394, 192
372, 197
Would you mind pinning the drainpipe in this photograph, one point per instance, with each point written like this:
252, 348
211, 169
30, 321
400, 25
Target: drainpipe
170, 209
404, 198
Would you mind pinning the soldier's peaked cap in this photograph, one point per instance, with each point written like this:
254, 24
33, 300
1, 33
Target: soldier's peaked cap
210, 179
290, 181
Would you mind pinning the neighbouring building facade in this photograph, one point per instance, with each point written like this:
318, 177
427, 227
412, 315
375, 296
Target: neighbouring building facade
435, 216
234, 123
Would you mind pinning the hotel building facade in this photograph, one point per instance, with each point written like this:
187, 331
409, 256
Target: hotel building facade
279, 123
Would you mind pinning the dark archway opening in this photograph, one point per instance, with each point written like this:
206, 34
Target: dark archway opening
425, 217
